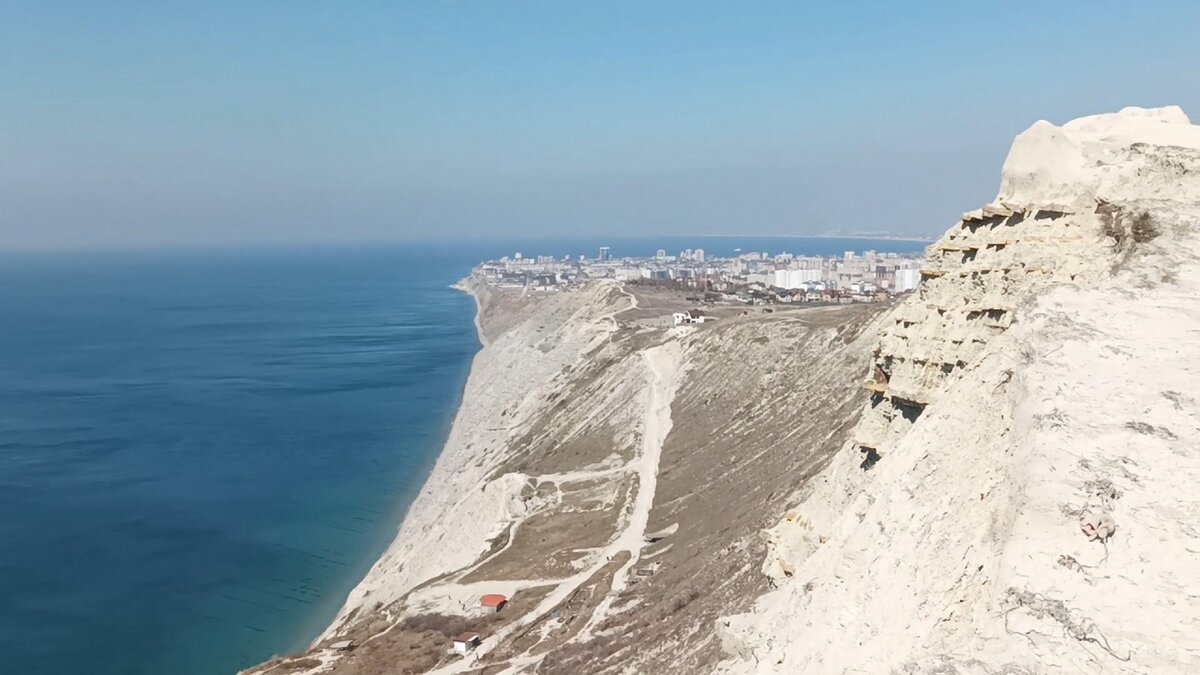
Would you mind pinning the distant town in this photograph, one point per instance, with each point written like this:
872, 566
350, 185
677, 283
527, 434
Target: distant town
750, 277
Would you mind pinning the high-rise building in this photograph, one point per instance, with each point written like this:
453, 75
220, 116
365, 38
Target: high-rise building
660, 254
698, 255
792, 279
906, 279
604, 254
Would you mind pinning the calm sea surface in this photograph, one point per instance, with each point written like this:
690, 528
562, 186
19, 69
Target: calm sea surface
201, 452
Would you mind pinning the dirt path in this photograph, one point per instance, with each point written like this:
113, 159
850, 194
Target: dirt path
633, 305
663, 362
663, 366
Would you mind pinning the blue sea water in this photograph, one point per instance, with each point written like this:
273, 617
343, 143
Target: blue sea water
201, 452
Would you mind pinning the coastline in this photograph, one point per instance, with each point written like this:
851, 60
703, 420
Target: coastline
316, 437
464, 507
429, 492
568, 483
410, 521
464, 285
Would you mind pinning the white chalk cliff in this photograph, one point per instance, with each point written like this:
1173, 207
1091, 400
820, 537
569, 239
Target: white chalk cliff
1022, 492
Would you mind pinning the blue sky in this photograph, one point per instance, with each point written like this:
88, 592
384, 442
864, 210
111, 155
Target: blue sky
154, 123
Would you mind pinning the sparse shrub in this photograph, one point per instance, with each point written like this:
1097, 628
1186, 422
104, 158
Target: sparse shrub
1117, 225
1074, 623
1143, 228
436, 623
684, 600
1151, 430
299, 665
1110, 222
1128, 230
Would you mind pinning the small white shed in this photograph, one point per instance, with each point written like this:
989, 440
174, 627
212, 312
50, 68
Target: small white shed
466, 642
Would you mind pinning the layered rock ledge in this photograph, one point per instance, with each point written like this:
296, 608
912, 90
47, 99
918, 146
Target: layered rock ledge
1018, 495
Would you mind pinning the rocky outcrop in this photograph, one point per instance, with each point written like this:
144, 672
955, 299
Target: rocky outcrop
1032, 388
993, 262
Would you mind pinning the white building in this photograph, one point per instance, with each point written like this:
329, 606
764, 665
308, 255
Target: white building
689, 317
792, 279
906, 280
466, 642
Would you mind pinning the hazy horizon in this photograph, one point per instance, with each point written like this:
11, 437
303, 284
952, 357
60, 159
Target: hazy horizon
134, 124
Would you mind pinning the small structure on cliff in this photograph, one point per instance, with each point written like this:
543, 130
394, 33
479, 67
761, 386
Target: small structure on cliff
493, 601
689, 317
466, 642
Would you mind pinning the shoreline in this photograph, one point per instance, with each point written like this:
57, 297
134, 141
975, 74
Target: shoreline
327, 628
525, 502
433, 538
464, 285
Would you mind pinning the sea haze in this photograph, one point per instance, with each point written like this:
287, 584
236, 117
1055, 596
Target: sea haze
202, 451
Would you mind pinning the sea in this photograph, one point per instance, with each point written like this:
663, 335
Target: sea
202, 450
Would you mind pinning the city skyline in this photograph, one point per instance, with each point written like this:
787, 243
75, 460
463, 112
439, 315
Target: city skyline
853, 275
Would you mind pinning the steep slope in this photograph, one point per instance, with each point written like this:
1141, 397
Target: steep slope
1033, 397
762, 404
610, 479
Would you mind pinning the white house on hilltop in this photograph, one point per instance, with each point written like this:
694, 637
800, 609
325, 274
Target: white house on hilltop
689, 317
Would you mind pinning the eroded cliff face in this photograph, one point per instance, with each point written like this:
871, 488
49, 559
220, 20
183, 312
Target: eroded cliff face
1015, 497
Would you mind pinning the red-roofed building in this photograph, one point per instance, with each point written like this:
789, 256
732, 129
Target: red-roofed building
493, 601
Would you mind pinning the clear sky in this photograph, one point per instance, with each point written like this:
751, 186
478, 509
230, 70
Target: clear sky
155, 123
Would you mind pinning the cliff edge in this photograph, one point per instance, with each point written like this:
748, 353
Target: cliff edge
1019, 493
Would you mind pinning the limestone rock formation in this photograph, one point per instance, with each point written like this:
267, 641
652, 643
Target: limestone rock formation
1041, 380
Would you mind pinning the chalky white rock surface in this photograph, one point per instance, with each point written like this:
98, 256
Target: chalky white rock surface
1043, 370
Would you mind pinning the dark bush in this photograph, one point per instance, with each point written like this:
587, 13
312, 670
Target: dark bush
1110, 222
447, 625
684, 600
1143, 228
